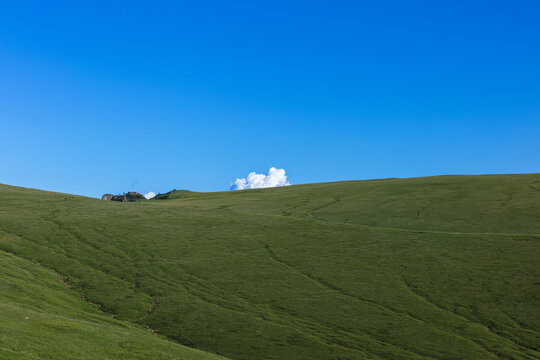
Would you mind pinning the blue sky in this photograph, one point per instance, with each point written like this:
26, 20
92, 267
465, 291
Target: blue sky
100, 97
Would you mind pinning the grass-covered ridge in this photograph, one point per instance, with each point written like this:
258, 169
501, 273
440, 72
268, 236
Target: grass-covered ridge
442, 267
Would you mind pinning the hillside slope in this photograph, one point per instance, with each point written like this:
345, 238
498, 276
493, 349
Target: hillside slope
488, 203
428, 268
41, 318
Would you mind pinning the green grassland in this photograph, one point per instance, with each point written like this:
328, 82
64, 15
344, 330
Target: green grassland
41, 318
427, 268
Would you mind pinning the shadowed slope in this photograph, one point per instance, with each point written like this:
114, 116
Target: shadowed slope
41, 318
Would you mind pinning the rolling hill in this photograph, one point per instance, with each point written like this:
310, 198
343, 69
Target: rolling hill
41, 318
427, 268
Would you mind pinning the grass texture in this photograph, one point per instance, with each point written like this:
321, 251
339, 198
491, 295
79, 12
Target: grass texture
427, 268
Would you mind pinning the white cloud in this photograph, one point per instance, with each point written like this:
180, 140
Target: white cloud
149, 195
275, 177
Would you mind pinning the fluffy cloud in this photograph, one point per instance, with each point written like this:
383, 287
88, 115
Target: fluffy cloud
275, 177
149, 195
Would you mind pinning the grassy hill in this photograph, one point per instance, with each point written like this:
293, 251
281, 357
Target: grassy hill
427, 268
41, 318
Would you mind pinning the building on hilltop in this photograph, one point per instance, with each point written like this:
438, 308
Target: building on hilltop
130, 196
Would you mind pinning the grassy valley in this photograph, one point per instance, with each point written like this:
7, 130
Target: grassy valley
427, 268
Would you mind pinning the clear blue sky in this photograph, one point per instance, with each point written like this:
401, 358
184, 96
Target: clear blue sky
113, 96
